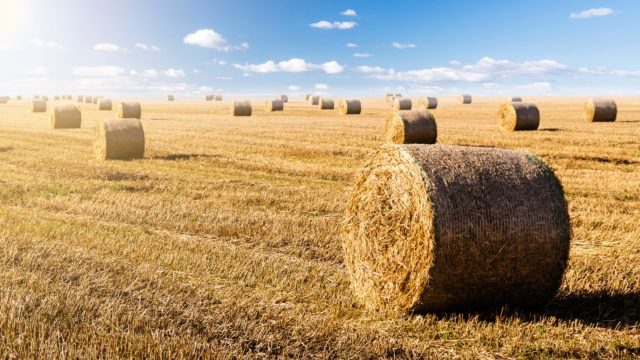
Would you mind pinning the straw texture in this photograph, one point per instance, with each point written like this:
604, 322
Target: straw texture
464, 99
432, 228
129, 110
326, 104
518, 116
600, 110
411, 127
241, 108
105, 104
38, 106
274, 105
119, 139
402, 104
349, 107
66, 116
428, 102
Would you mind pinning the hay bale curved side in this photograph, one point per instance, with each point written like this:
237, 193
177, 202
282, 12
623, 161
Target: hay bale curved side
129, 110
105, 104
326, 104
314, 100
38, 106
119, 139
433, 228
600, 110
274, 105
411, 127
66, 116
465, 99
429, 102
241, 108
349, 107
518, 116
400, 104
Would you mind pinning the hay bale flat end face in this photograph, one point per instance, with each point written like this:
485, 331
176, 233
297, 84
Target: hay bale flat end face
518, 116
600, 110
350, 107
119, 139
129, 110
66, 117
469, 228
241, 108
411, 127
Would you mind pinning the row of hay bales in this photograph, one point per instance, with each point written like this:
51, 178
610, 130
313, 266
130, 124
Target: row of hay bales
345, 106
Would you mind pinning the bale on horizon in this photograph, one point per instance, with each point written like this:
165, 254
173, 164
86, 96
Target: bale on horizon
429, 102
241, 108
218, 98
119, 139
38, 106
600, 110
170, 98
104, 104
314, 100
67, 116
326, 104
80, 98
4, 99
19, 97
349, 107
411, 127
56, 97
306, 97
402, 104
209, 97
518, 116
129, 110
274, 105
88, 100
514, 99
284, 98
465, 99
440, 228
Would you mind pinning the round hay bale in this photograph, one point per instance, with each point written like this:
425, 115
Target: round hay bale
306, 97
411, 127
350, 107
465, 99
36, 97
314, 100
4, 99
80, 98
129, 110
518, 116
429, 102
600, 110
326, 104
218, 98
402, 104
45, 98
398, 95
19, 97
88, 100
170, 98
241, 108
432, 228
104, 104
209, 97
274, 105
66, 116
514, 99
95, 99
38, 106
284, 98
56, 97
119, 139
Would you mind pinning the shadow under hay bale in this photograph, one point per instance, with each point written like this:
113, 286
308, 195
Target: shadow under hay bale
349, 107
66, 117
119, 139
518, 116
600, 110
436, 228
411, 127
129, 110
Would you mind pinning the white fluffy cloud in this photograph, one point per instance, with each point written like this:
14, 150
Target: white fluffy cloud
294, 88
322, 87
328, 25
46, 44
149, 73
332, 67
107, 47
352, 45
147, 47
361, 55
587, 14
349, 12
294, 65
536, 86
207, 38
98, 71
401, 46
174, 73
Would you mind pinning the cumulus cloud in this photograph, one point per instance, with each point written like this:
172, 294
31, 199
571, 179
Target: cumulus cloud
208, 38
107, 47
455, 63
98, 71
174, 73
332, 67
361, 55
401, 46
46, 44
537, 86
328, 25
625, 73
322, 87
294, 88
146, 47
587, 14
352, 45
349, 12
149, 73
294, 65
219, 62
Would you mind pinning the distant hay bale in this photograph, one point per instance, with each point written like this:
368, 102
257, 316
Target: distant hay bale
88, 100
170, 98
429, 102
514, 99
518, 116
349, 107
402, 104
326, 104
411, 127
314, 100
398, 95
464, 99
274, 105
36, 97
119, 139
209, 97
45, 98
4, 99
80, 98
284, 98
66, 116
437, 228
56, 97
38, 106
95, 99
600, 110
218, 98
19, 97
241, 108
306, 97
104, 104
129, 110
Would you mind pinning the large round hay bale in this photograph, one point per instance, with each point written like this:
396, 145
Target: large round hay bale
38, 106
170, 98
129, 110
402, 104
218, 98
597, 110
88, 100
209, 97
411, 127
119, 139
428, 102
274, 105
104, 104
241, 108
514, 99
67, 116
465, 99
80, 98
518, 116
284, 98
432, 228
314, 100
350, 107
326, 104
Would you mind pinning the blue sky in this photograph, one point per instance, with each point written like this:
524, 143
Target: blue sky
258, 49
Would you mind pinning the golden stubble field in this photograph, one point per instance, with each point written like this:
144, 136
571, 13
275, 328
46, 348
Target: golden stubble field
225, 240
